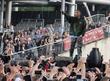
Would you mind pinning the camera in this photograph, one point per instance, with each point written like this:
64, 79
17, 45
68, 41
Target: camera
38, 72
78, 76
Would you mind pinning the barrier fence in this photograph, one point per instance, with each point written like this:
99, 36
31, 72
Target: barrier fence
50, 49
95, 21
53, 48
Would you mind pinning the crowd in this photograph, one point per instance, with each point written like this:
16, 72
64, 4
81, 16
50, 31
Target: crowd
47, 69
27, 39
45, 66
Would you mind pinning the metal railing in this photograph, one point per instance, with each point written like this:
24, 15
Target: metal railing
50, 49
94, 21
29, 23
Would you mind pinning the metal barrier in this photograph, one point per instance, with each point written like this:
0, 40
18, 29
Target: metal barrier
50, 49
47, 49
29, 23
94, 21
98, 18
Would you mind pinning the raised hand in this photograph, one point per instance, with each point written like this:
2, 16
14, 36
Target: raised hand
92, 76
107, 70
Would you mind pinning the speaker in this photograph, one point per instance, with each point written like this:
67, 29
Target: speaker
95, 58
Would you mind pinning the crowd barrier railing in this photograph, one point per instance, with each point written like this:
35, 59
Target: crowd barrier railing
50, 49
